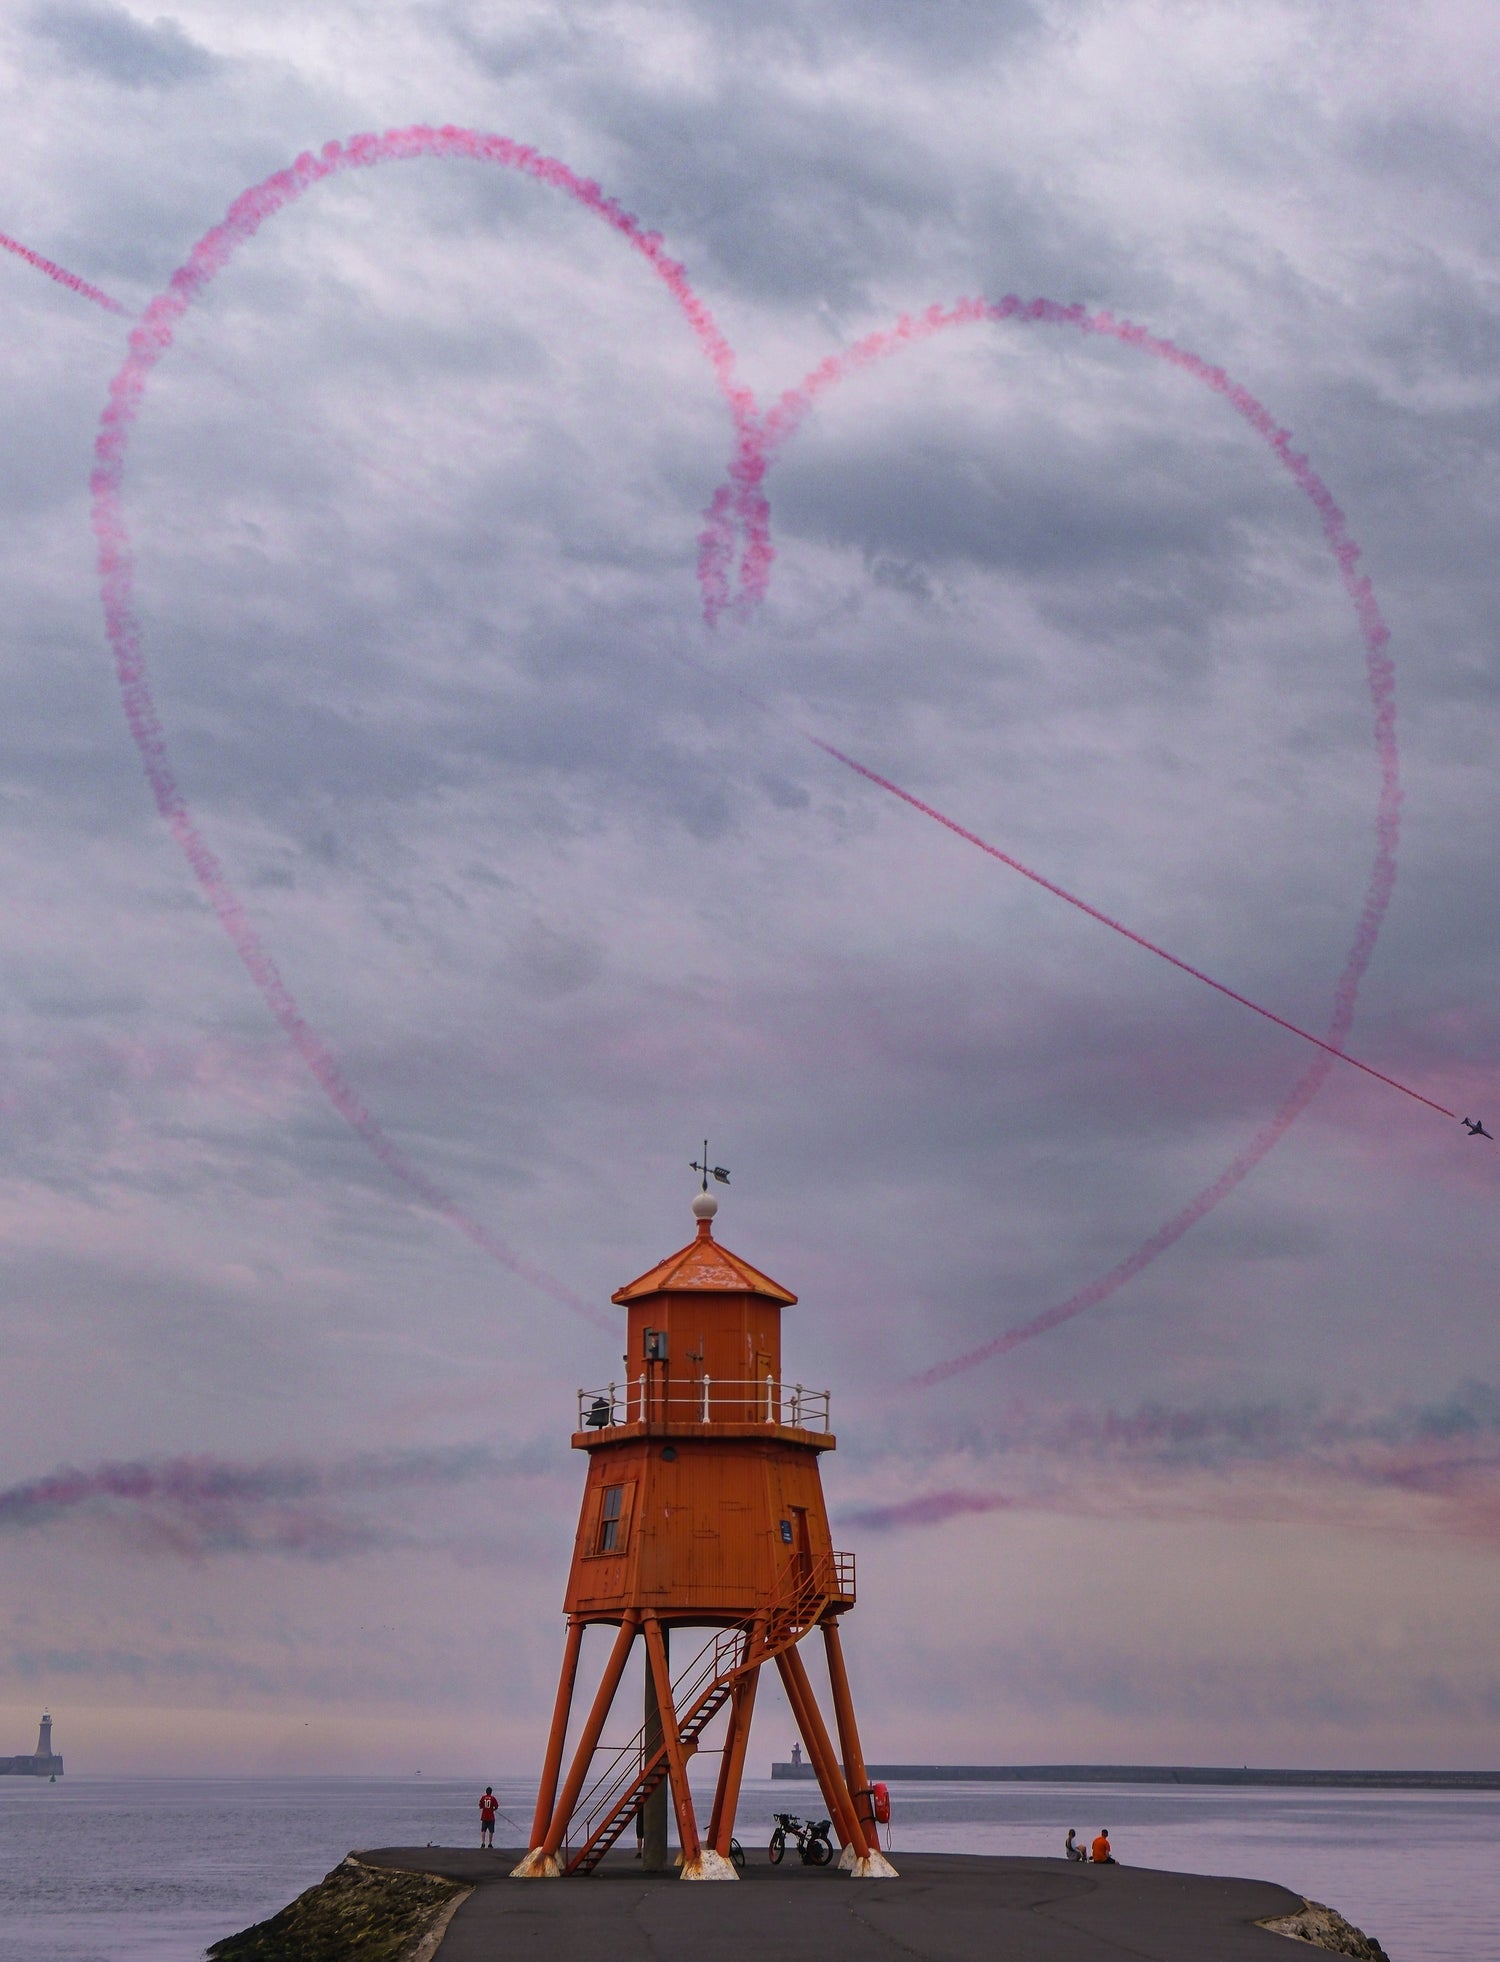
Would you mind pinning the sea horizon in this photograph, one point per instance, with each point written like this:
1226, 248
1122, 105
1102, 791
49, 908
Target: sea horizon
152, 1868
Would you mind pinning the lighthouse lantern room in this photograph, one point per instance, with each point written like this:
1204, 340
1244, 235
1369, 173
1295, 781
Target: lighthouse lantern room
703, 1509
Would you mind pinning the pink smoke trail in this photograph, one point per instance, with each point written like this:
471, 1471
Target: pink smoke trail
61, 274
929, 1509
1247, 1462
1459, 1433
1199, 1207
743, 502
1465, 1510
739, 512
1117, 926
150, 341
198, 1505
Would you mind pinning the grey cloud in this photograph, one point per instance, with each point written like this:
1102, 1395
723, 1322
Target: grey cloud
557, 963
1436, 1446
136, 1665
111, 42
786, 33
192, 1508
958, 32
1029, 495
416, 556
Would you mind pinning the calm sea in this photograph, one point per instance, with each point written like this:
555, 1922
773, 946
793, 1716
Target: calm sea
152, 1870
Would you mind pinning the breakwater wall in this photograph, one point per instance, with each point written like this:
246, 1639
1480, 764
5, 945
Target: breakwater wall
1165, 1774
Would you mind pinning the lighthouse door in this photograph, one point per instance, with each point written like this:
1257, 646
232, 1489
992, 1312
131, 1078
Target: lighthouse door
802, 1544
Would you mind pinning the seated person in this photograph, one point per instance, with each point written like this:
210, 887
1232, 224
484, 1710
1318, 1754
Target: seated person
1071, 1847
1100, 1849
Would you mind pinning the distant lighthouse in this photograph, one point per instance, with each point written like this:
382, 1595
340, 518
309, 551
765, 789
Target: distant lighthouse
41, 1763
703, 1508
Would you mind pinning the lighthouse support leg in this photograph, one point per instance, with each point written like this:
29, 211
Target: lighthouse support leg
799, 1693
732, 1764
541, 1862
857, 1776
696, 1863
651, 1827
546, 1796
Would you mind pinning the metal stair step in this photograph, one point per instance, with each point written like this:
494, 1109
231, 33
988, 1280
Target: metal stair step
783, 1631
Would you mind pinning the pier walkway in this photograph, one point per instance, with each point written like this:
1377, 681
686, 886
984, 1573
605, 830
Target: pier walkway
944, 1908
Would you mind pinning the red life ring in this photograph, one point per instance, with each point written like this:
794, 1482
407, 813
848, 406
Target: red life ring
881, 1794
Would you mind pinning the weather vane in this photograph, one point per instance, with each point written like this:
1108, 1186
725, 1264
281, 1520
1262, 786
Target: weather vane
719, 1172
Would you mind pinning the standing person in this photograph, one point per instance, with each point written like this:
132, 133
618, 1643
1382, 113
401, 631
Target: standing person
1100, 1849
489, 1805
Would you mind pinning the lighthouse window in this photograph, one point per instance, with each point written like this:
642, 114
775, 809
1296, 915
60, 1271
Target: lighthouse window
609, 1518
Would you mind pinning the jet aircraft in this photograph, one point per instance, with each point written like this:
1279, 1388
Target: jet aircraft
1477, 1130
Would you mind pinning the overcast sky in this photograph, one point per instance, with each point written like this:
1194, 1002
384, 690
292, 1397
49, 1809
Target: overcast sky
556, 877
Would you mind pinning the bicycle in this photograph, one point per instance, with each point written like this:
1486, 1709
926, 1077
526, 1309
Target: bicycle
813, 1843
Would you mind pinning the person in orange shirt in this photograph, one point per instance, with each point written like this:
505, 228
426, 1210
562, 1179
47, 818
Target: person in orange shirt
1100, 1849
489, 1805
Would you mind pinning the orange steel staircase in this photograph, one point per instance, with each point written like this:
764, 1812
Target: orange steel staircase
807, 1588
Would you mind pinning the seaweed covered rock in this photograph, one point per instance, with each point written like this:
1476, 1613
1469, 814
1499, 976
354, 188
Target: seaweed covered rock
1326, 1928
355, 1914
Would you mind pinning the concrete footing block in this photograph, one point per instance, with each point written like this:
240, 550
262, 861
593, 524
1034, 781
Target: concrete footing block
537, 1866
874, 1866
709, 1865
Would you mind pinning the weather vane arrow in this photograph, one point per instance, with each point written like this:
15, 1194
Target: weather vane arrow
719, 1172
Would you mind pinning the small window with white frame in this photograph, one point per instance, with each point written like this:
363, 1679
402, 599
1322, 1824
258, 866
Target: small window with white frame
610, 1519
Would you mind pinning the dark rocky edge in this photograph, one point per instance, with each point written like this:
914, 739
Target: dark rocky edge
355, 1914
1325, 1927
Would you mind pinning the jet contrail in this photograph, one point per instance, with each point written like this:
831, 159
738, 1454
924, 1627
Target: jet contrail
1165, 1460
928, 1509
737, 522
739, 518
197, 1505
1167, 1235
61, 274
150, 340
1117, 926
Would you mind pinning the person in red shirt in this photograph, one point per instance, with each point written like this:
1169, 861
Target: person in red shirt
489, 1805
1100, 1849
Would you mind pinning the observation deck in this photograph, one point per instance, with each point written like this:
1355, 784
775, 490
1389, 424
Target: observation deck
703, 1406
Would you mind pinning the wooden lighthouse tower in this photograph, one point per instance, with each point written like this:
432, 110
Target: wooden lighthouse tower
703, 1509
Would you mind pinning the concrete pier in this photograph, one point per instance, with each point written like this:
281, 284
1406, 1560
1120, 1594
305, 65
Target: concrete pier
945, 1908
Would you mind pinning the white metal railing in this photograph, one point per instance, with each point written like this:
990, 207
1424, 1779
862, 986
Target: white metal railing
703, 1400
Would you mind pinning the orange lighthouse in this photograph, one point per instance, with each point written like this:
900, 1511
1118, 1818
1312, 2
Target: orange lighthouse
703, 1509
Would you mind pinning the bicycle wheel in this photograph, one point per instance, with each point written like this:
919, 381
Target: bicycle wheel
817, 1852
778, 1846
736, 1853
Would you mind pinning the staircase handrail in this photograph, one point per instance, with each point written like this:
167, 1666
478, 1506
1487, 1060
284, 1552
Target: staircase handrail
804, 1587
714, 1663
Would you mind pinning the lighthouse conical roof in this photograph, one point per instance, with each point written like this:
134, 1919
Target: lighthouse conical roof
703, 1264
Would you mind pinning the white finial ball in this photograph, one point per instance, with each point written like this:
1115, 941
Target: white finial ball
705, 1206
